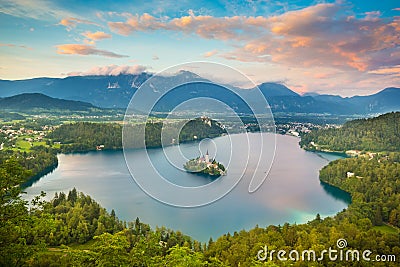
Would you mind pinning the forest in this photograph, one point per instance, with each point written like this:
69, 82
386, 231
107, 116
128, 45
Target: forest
373, 183
381, 133
37, 162
86, 136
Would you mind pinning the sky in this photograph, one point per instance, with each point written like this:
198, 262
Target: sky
329, 47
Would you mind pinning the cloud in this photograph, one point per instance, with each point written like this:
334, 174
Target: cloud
38, 9
80, 49
372, 15
112, 70
15, 46
95, 36
71, 22
395, 70
210, 53
136, 23
208, 27
326, 34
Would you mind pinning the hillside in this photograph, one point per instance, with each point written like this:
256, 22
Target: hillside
372, 179
85, 136
376, 134
32, 101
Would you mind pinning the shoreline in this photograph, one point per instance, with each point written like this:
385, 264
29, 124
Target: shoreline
31, 180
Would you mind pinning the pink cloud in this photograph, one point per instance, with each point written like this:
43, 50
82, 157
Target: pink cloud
71, 22
211, 53
395, 70
80, 49
136, 23
327, 34
205, 26
95, 36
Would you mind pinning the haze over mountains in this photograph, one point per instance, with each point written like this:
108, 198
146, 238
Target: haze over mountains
117, 91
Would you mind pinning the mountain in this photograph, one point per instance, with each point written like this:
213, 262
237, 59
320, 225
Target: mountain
102, 91
275, 89
381, 102
117, 91
384, 101
30, 101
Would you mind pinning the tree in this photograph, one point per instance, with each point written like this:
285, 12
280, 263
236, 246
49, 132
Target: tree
15, 227
111, 249
183, 256
72, 196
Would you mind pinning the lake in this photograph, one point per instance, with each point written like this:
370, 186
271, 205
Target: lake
291, 193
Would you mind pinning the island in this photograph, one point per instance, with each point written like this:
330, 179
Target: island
203, 165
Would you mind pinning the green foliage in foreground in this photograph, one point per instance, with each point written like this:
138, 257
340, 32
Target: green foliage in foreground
376, 134
73, 230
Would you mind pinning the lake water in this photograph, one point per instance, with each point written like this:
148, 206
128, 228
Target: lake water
291, 193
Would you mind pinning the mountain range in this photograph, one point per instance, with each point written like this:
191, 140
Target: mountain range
117, 91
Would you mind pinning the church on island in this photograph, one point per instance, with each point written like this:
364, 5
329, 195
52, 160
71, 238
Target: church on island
206, 159
203, 165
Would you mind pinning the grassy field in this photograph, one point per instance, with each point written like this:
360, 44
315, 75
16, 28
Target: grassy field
24, 145
387, 229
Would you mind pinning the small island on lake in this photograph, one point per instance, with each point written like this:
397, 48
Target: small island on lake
203, 165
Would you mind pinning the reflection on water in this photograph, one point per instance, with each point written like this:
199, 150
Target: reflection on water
291, 193
336, 192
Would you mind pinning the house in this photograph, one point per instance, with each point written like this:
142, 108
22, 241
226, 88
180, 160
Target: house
350, 174
100, 147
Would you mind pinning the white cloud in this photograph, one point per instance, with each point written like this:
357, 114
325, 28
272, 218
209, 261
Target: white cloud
38, 9
112, 70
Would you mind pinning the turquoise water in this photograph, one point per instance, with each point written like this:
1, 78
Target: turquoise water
291, 193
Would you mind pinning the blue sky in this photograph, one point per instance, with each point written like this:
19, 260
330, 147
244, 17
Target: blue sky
340, 47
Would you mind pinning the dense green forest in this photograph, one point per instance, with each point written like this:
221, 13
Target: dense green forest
373, 183
86, 136
37, 162
375, 134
